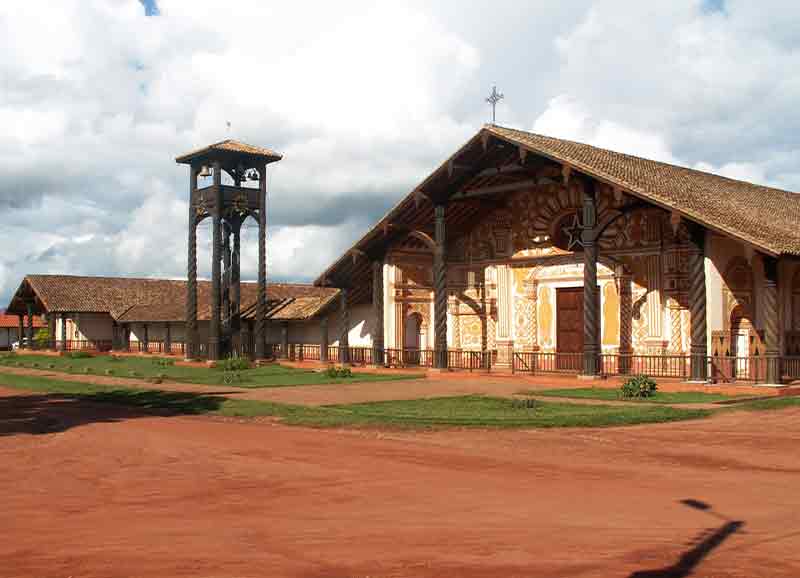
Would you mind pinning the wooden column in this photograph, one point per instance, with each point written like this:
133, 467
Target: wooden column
285, 339
146, 337
216, 275
29, 329
190, 338
697, 304
20, 329
168, 339
236, 284
344, 328
377, 312
323, 340
591, 302
440, 289
63, 331
261, 307
51, 330
625, 322
771, 321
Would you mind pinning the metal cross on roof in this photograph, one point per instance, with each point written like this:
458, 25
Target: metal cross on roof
493, 99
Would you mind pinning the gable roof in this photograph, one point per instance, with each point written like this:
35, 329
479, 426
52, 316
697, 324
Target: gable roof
227, 147
764, 217
129, 299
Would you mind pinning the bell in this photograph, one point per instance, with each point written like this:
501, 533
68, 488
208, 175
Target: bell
205, 171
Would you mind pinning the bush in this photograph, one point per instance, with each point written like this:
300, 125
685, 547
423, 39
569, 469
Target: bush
163, 362
233, 363
109, 372
78, 354
338, 372
638, 386
114, 358
230, 377
42, 338
87, 370
133, 373
524, 403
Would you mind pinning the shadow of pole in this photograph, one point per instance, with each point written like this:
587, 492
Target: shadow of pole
692, 558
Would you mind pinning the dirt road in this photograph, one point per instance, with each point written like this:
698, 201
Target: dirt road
98, 491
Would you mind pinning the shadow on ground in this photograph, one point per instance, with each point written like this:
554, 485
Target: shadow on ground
706, 543
52, 413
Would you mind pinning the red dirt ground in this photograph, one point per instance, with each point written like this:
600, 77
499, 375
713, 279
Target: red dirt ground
98, 491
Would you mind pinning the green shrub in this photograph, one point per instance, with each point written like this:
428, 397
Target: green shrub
79, 354
109, 372
338, 372
163, 362
42, 338
133, 373
230, 377
51, 366
35, 364
114, 358
638, 386
87, 370
233, 363
524, 403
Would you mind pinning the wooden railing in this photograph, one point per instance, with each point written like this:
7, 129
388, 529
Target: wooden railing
538, 362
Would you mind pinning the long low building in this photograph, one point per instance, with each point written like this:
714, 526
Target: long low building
12, 328
121, 313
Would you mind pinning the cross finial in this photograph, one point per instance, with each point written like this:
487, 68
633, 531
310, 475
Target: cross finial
493, 99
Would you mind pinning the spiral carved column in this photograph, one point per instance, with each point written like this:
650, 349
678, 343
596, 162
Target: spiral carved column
215, 326
440, 290
323, 341
591, 301
771, 325
697, 305
344, 328
261, 306
377, 312
625, 323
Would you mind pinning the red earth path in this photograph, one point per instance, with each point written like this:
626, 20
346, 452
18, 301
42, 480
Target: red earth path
99, 491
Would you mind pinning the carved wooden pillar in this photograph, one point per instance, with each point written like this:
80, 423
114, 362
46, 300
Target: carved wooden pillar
697, 304
51, 330
625, 322
215, 326
344, 328
168, 339
323, 340
236, 284
63, 331
146, 337
126, 336
226, 288
29, 329
190, 348
377, 312
261, 307
440, 289
285, 339
20, 329
771, 320
591, 302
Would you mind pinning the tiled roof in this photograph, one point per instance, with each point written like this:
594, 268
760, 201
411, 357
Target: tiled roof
12, 321
230, 146
766, 217
131, 299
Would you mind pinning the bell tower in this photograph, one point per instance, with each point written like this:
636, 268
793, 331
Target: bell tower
228, 206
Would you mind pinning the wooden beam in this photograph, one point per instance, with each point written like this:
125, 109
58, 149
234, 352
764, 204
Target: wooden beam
481, 191
566, 171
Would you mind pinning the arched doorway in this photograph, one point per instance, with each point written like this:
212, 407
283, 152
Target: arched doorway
413, 328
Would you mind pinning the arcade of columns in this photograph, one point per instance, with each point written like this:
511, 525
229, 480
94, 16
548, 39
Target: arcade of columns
642, 270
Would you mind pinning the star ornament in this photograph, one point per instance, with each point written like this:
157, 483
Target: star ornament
573, 232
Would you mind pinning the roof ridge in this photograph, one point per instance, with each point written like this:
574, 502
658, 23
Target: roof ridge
636, 157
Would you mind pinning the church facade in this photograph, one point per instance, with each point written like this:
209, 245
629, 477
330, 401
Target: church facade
558, 255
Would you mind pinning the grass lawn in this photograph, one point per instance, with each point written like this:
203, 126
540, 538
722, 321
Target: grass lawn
466, 411
613, 395
273, 375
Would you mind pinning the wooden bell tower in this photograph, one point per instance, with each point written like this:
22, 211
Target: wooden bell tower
228, 206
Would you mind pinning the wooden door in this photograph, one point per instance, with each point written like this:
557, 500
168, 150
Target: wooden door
569, 320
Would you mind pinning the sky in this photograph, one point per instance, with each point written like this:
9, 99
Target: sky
364, 99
